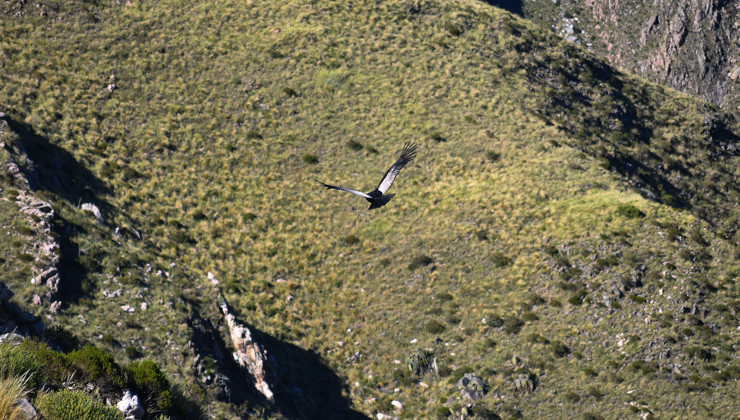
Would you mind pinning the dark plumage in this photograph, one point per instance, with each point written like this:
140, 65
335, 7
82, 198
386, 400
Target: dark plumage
378, 196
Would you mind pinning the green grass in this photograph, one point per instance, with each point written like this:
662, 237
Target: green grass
224, 115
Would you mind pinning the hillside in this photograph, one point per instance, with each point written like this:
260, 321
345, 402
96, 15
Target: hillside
688, 45
568, 232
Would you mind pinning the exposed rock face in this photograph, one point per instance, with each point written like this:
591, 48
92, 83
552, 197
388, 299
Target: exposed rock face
690, 45
92, 208
130, 406
40, 215
472, 387
249, 354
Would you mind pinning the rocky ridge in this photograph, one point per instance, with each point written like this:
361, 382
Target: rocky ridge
690, 45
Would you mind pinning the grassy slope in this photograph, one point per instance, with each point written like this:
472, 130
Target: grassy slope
202, 147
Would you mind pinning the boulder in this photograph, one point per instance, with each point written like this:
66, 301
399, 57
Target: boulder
130, 406
92, 208
472, 386
28, 410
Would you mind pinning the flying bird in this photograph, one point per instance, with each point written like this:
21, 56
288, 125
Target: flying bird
378, 196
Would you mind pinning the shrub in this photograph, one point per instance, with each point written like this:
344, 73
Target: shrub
132, 352
629, 211
94, 363
436, 136
63, 337
443, 297
559, 349
576, 300
595, 392
500, 260
483, 412
74, 405
443, 412
420, 362
571, 396
452, 29
493, 156
419, 261
253, 134
570, 273
289, 91
147, 380
530, 316
512, 325
354, 145
310, 159
434, 327
16, 361
351, 240
495, 321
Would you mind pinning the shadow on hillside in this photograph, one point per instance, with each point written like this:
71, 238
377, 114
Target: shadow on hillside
56, 170
71, 272
514, 6
303, 386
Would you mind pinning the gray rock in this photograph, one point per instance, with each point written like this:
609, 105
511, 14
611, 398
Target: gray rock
11, 338
130, 406
472, 386
92, 208
54, 307
28, 410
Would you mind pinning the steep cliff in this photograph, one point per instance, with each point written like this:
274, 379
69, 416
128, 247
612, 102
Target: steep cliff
691, 45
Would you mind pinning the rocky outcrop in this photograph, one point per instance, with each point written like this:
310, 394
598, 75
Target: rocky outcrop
130, 406
690, 45
249, 354
39, 215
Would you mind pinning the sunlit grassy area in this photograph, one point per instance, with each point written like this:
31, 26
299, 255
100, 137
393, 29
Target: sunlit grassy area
516, 246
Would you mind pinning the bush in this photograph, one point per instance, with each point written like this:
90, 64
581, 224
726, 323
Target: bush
500, 260
310, 159
74, 405
443, 297
132, 352
419, 261
253, 134
354, 145
94, 363
16, 361
512, 325
443, 412
147, 380
289, 91
420, 362
351, 240
493, 156
63, 337
495, 321
559, 349
434, 327
629, 211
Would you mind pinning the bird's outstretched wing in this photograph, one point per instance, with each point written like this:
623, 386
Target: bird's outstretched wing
408, 153
332, 187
